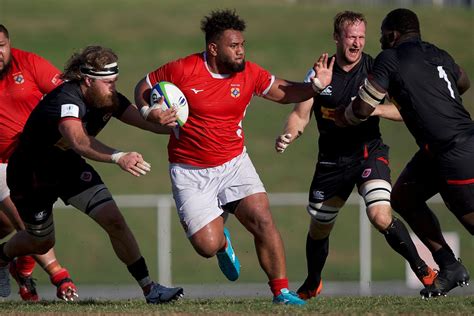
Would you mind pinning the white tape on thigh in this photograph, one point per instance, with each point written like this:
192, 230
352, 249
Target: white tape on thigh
376, 192
322, 213
41, 231
89, 199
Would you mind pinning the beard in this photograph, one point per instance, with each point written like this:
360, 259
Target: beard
6, 67
232, 66
386, 41
108, 103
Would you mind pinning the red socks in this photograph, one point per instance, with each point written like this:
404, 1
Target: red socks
278, 284
25, 265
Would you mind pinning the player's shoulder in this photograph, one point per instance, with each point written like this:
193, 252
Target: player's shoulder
68, 92
23, 55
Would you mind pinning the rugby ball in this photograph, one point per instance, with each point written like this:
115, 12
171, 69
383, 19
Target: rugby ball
172, 97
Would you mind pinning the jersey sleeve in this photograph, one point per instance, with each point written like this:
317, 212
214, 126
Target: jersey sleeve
124, 103
46, 75
384, 66
263, 79
171, 72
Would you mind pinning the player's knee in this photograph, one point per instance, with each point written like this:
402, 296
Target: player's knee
323, 217
207, 244
380, 216
319, 230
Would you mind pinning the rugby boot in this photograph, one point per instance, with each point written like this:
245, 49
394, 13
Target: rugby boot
161, 294
287, 297
228, 261
425, 274
65, 288
305, 292
26, 284
448, 278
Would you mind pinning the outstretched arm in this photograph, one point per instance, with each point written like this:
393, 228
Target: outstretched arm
284, 91
387, 111
89, 147
132, 116
369, 97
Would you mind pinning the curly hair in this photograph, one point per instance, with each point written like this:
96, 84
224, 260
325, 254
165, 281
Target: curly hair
219, 21
347, 17
95, 57
401, 20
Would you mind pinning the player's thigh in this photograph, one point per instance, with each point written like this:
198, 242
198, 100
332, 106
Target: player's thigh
331, 186
418, 182
195, 194
33, 190
457, 171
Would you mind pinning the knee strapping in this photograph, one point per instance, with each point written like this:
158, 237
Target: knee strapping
322, 213
91, 198
376, 192
41, 231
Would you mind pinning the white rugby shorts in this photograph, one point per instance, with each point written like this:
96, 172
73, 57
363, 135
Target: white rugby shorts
199, 193
4, 190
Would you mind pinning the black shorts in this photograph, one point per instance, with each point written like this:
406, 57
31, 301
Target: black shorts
37, 181
336, 176
450, 173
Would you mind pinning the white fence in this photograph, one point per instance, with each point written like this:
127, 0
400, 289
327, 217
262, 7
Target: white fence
164, 204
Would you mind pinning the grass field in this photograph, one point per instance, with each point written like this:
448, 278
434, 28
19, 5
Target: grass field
384, 305
281, 36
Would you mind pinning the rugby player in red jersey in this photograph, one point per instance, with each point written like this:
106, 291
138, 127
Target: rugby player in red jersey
24, 79
210, 169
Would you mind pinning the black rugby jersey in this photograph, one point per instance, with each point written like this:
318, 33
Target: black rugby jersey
41, 129
342, 90
421, 79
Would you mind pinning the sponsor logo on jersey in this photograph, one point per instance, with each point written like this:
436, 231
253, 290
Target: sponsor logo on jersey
235, 92
107, 117
196, 91
366, 173
86, 176
68, 110
318, 195
56, 79
18, 78
40, 215
327, 113
327, 91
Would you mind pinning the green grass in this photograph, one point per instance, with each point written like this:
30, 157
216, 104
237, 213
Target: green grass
383, 305
285, 38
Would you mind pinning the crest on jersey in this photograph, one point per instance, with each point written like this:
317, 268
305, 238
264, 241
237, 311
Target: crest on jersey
366, 173
86, 176
235, 92
18, 78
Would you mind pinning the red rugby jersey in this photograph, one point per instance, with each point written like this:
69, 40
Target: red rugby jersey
27, 80
213, 132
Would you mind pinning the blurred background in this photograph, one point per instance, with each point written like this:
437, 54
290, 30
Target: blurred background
285, 37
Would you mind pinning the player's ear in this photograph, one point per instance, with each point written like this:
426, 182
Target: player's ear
335, 36
88, 81
212, 48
